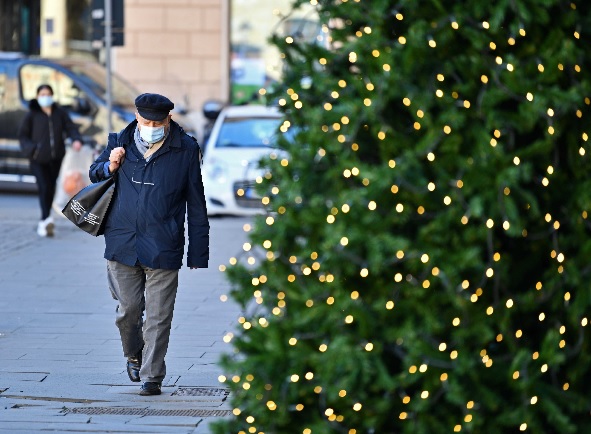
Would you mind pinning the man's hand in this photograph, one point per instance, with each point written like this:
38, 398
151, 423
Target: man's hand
116, 158
76, 145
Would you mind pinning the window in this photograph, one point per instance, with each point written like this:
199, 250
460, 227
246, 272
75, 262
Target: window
248, 132
64, 89
19, 26
255, 63
95, 76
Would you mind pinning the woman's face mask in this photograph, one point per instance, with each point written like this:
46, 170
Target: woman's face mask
45, 100
151, 134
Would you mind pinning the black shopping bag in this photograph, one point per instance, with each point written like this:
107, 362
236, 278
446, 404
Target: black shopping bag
88, 208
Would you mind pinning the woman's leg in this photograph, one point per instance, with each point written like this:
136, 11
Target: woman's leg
53, 173
42, 174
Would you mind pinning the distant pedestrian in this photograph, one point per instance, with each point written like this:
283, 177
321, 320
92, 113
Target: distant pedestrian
42, 137
158, 181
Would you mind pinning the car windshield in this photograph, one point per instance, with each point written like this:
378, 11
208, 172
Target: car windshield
123, 94
248, 132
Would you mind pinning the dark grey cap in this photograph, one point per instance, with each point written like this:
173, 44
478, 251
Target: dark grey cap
153, 107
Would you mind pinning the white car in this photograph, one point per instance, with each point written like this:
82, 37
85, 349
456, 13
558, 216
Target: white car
240, 137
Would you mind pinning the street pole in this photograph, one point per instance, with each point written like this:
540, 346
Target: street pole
108, 43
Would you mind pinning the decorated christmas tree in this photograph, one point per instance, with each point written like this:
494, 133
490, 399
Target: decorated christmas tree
424, 264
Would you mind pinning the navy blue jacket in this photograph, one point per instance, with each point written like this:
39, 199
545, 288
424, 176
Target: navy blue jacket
146, 220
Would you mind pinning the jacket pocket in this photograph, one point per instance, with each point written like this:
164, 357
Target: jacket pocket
28, 148
42, 154
167, 235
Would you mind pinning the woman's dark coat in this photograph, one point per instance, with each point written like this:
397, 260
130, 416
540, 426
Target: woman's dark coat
146, 220
38, 129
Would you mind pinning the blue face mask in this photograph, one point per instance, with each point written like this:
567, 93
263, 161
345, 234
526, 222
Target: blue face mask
151, 134
45, 100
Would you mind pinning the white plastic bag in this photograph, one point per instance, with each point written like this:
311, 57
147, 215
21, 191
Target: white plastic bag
73, 175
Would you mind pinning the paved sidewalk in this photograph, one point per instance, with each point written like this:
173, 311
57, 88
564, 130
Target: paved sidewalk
61, 363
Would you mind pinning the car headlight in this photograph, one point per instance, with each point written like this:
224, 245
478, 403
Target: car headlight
217, 171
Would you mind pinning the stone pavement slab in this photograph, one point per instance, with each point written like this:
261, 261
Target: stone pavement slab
61, 363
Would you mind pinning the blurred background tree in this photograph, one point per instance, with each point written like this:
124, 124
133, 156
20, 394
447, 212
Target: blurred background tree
425, 264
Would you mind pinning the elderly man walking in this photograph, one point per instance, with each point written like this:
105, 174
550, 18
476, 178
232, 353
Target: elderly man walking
158, 181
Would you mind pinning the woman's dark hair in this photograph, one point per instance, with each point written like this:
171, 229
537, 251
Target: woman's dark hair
44, 86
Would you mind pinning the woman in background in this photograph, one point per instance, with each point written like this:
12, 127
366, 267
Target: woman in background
42, 139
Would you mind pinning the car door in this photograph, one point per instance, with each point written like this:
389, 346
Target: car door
13, 167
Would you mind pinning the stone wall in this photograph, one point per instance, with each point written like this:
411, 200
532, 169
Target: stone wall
178, 48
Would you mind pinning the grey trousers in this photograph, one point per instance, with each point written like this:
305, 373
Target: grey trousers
141, 289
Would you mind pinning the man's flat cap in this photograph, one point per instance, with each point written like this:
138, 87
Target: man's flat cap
153, 107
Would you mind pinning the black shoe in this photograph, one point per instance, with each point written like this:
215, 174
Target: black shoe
134, 364
150, 388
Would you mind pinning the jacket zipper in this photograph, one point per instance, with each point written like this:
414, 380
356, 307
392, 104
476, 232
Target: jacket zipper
51, 138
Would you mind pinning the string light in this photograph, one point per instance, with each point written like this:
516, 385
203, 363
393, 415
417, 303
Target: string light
512, 216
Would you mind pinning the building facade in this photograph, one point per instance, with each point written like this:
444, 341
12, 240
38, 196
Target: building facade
177, 48
189, 50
